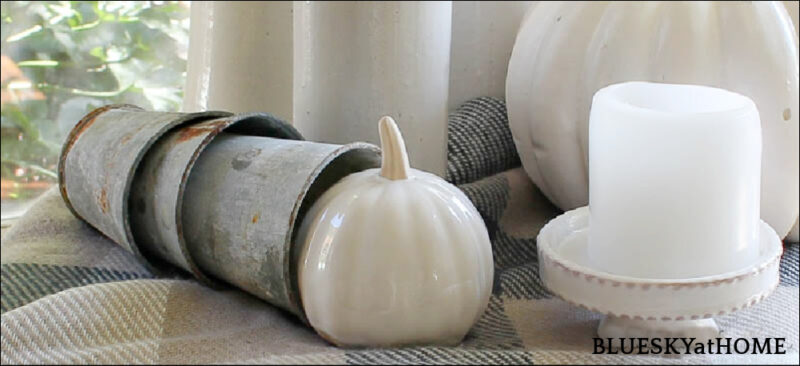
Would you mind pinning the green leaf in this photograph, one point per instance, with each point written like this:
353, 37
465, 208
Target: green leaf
98, 52
164, 98
13, 114
35, 167
81, 55
32, 152
85, 26
38, 63
24, 34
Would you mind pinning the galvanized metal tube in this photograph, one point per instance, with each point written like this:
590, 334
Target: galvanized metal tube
243, 198
173, 187
100, 157
158, 187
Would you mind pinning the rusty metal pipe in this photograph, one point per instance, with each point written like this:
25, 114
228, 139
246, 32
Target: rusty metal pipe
243, 199
159, 184
100, 157
215, 194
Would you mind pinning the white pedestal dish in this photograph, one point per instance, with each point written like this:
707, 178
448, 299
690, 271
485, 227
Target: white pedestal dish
641, 307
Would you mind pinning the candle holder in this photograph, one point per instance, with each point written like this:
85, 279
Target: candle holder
639, 307
672, 235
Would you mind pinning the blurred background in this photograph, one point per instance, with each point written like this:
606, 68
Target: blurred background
61, 59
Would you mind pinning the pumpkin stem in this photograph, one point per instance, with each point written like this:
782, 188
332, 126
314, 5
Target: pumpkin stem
394, 164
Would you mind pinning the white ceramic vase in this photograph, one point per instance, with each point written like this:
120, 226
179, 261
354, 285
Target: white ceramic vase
358, 61
240, 57
482, 39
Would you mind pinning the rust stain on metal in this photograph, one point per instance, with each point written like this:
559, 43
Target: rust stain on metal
125, 139
191, 132
255, 218
88, 120
133, 133
76, 132
103, 200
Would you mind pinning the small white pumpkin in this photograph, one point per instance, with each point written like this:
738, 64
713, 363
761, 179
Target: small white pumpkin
394, 256
565, 52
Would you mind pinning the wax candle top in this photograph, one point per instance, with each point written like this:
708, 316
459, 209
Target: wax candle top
674, 101
674, 180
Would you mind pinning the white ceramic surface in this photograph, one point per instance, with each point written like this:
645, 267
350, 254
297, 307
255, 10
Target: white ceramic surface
482, 39
674, 169
358, 61
394, 256
792, 8
565, 52
567, 271
240, 57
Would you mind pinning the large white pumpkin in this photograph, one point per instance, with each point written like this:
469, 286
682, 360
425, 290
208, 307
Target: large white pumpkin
794, 13
565, 52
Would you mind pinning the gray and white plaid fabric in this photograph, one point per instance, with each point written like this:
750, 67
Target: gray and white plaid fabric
479, 142
69, 295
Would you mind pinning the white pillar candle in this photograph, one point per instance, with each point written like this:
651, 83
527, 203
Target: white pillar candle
240, 57
359, 61
483, 36
674, 180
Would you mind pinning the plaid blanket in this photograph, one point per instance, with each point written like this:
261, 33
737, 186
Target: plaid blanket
69, 295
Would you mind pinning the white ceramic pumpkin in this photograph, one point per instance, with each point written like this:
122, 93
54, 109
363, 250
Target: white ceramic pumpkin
565, 52
394, 256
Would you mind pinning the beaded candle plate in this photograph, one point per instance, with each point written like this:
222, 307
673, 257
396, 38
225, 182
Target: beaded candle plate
640, 307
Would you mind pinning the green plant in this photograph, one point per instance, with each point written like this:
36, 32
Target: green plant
62, 59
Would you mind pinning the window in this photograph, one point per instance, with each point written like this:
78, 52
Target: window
61, 59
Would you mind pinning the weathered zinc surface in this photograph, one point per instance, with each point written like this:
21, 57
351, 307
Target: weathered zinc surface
245, 198
99, 159
216, 194
158, 187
